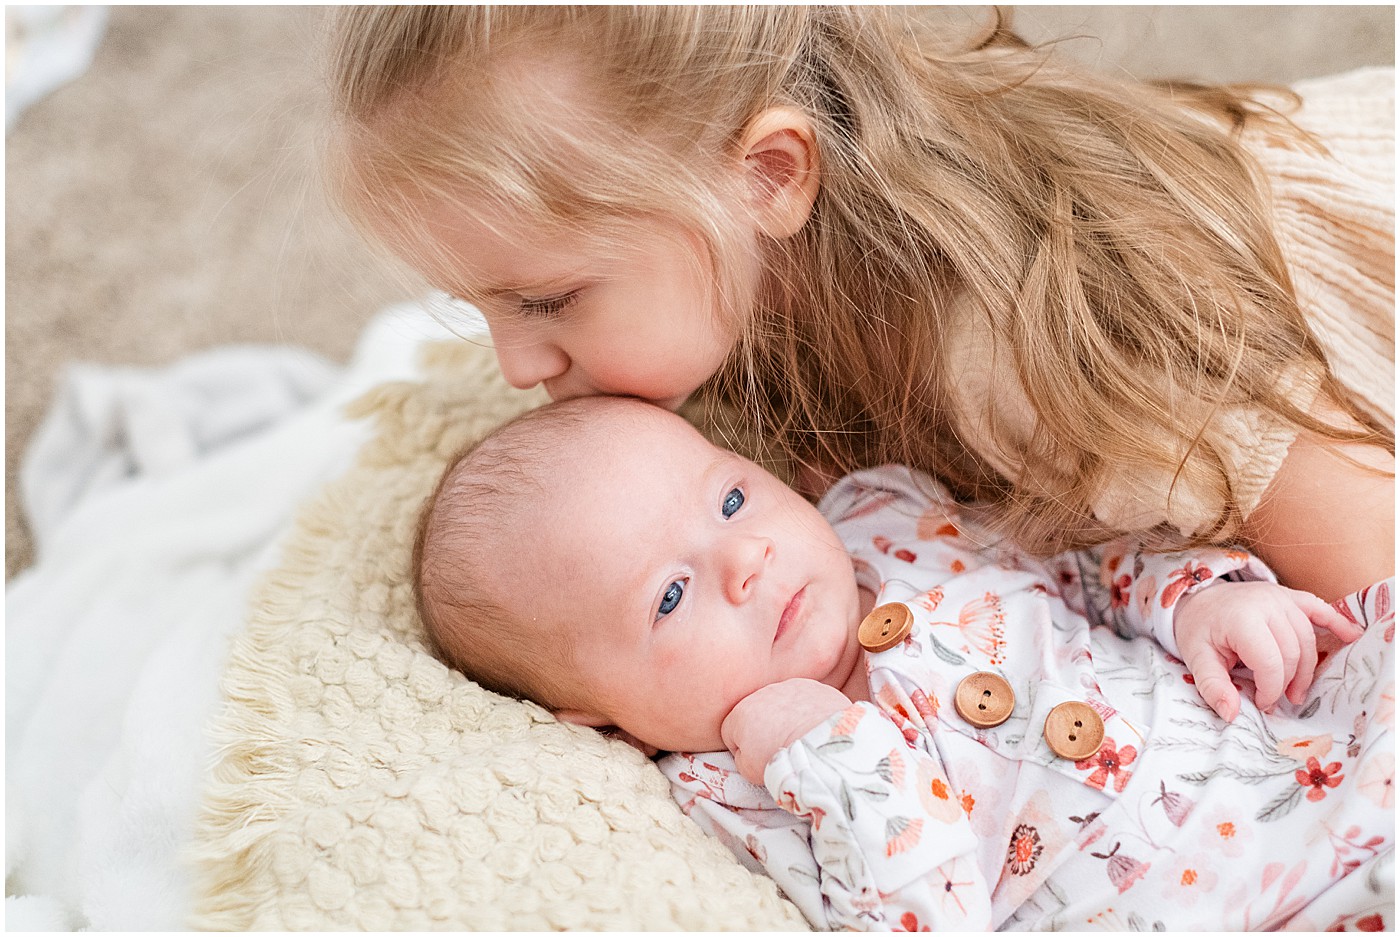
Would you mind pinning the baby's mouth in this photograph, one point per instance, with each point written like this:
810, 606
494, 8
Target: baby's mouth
790, 612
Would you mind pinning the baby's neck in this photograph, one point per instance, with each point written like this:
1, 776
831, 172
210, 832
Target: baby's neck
857, 686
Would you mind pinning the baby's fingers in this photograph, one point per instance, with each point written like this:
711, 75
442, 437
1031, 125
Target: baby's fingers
1307, 656
1211, 673
1261, 654
1325, 616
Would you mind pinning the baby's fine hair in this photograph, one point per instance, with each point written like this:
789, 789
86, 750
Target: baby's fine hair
1113, 237
473, 512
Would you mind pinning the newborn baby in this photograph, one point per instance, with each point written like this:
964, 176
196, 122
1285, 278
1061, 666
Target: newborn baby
1004, 741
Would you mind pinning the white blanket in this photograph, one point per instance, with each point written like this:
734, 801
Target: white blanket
157, 498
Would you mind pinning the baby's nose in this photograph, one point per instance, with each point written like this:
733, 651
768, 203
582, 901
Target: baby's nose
749, 559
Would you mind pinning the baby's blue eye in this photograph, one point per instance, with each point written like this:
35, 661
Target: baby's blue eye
671, 598
732, 502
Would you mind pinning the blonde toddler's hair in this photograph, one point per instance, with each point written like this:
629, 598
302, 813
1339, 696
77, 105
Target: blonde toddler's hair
1114, 237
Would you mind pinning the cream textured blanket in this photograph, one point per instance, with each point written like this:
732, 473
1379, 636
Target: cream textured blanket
362, 785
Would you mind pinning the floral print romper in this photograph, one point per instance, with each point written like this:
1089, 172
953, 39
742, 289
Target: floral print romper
901, 815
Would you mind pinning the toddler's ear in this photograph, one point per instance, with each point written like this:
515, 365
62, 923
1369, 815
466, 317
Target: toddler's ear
579, 718
779, 150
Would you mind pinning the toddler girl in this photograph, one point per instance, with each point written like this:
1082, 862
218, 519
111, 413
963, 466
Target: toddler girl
1105, 307
934, 729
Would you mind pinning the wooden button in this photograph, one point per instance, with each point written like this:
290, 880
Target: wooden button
984, 699
885, 626
1074, 731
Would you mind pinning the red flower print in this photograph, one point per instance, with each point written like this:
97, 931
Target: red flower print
1184, 578
1024, 849
1109, 763
1120, 591
882, 543
968, 802
909, 924
1319, 778
1371, 922
907, 556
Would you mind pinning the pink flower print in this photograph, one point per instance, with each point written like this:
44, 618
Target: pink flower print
891, 768
1192, 574
902, 833
1109, 763
1105, 711
883, 544
1112, 559
935, 524
1343, 608
1302, 747
1226, 833
1177, 806
930, 599
1319, 778
926, 706
848, 721
1120, 591
936, 795
1147, 587
982, 625
1376, 779
1385, 707
1123, 871
1024, 849
1188, 877
788, 801
893, 710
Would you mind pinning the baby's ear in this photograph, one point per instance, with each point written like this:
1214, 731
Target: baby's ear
580, 718
779, 149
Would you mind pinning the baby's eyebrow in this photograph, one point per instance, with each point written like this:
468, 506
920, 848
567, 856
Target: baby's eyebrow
715, 467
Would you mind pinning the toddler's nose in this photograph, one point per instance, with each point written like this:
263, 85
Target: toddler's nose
525, 364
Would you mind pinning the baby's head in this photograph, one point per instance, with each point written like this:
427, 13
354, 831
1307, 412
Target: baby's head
601, 557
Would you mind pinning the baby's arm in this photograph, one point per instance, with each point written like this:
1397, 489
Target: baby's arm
1211, 622
895, 849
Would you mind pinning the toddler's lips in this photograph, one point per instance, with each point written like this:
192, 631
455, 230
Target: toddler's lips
789, 613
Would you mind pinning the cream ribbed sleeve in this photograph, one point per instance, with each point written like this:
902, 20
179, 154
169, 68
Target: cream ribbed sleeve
1336, 225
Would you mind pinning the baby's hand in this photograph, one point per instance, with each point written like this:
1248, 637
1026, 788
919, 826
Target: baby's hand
1266, 627
773, 717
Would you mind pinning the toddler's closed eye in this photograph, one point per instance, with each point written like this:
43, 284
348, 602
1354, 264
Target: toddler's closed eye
548, 307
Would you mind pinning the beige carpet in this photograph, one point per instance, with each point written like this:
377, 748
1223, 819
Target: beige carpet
165, 202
